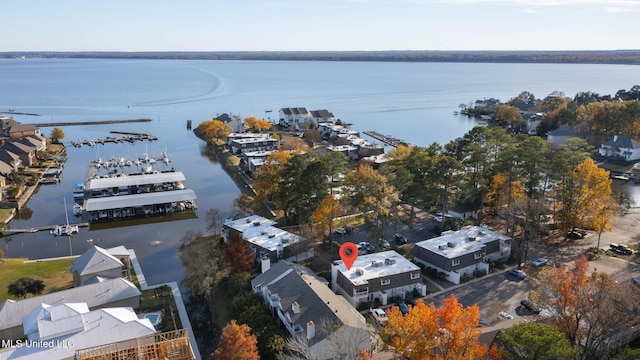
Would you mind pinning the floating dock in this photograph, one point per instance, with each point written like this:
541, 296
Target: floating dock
7, 232
389, 140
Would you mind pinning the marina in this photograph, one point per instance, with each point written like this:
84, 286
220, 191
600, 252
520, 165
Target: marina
129, 137
389, 140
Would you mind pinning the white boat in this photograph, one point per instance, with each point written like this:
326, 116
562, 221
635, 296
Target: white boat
78, 190
68, 230
77, 209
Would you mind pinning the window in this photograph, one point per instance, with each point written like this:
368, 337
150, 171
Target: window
362, 290
415, 276
385, 282
455, 262
477, 256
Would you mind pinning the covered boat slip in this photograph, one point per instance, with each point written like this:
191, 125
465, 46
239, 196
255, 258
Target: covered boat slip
140, 200
135, 180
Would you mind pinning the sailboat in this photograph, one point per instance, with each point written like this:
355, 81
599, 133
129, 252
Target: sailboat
66, 229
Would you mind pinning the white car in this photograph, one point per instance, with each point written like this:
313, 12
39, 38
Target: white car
540, 262
340, 231
505, 315
379, 315
438, 219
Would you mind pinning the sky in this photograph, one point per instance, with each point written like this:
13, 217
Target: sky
318, 25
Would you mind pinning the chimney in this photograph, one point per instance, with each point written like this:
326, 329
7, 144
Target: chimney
295, 307
266, 263
311, 330
89, 244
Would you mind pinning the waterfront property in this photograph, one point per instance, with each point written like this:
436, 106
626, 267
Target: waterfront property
307, 307
99, 294
463, 253
257, 142
624, 147
234, 121
266, 240
98, 263
378, 277
558, 137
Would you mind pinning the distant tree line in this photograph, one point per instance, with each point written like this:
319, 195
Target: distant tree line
631, 57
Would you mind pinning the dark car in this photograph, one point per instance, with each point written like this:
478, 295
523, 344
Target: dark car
575, 235
400, 239
621, 249
404, 309
517, 273
530, 306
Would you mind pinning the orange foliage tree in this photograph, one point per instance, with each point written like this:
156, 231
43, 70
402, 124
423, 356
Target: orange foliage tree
266, 178
236, 343
591, 310
448, 332
238, 254
257, 125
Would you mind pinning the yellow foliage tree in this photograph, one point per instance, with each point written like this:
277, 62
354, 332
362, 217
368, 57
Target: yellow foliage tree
267, 176
257, 125
214, 129
498, 198
323, 216
427, 332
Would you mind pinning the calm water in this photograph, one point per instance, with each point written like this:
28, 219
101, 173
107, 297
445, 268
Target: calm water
412, 101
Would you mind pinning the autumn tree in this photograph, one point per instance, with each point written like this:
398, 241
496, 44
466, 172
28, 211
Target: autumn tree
510, 115
213, 219
589, 309
257, 125
323, 217
312, 137
242, 205
267, 177
535, 341
56, 135
581, 195
238, 254
369, 192
428, 332
214, 129
236, 343
294, 144
202, 259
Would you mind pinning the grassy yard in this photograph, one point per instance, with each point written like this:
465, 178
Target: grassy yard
161, 299
4, 213
54, 273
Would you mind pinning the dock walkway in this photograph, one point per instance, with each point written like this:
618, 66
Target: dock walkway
389, 140
6, 232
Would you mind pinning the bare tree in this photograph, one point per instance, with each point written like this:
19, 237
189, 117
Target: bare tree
213, 219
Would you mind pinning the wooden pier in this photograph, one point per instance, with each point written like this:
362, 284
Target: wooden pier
7, 232
97, 122
129, 137
389, 140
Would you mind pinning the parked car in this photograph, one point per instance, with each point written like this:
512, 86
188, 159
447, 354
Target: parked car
620, 249
539, 262
530, 306
438, 218
340, 231
517, 274
367, 246
404, 309
380, 315
400, 239
505, 315
385, 244
575, 235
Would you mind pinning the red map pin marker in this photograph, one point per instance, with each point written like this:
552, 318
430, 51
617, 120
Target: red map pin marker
348, 253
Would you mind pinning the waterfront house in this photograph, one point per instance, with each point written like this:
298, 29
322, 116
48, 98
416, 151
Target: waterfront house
107, 293
255, 159
350, 152
621, 146
266, 240
320, 116
252, 144
306, 306
27, 153
39, 142
98, 262
486, 103
9, 162
465, 253
234, 121
379, 277
298, 118
532, 123
65, 329
18, 130
558, 137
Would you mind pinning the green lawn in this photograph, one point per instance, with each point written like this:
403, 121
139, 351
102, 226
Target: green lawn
54, 273
161, 299
4, 214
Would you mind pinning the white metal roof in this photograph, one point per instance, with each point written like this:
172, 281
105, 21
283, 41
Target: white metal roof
125, 201
131, 180
377, 265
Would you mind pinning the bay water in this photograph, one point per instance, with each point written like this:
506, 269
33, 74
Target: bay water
411, 101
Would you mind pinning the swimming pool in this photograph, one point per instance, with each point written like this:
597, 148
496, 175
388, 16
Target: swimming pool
155, 317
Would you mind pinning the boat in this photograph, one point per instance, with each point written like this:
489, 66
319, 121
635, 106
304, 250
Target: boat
78, 190
68, 230
77, 209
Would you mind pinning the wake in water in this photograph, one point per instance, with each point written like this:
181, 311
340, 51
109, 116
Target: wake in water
217, 89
